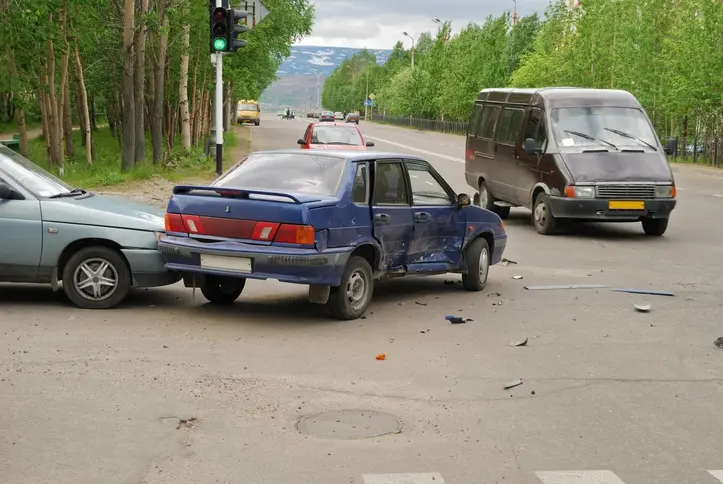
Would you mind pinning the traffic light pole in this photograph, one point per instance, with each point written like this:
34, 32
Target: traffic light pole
218, 107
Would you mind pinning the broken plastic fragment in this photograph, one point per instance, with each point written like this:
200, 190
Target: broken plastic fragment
506, 262
513, 384
645, 291
381, 357
517, 277
566, 286
455, 319
519, 343
643, 308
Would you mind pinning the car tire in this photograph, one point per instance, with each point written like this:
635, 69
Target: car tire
107, 272
477, 255
222, 289
485, 199
544, 221
352, 297
257, 123
655, 226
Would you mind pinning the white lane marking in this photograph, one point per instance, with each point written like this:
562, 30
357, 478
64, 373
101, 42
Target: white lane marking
717, 474
406, 478
579, 477
418, 150
717, 195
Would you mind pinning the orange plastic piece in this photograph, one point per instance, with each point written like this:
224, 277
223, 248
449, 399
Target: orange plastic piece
381, 357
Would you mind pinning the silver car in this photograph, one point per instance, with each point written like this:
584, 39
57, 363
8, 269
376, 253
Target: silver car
98, 247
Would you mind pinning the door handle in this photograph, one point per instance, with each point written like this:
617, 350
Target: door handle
422, 216
381, 218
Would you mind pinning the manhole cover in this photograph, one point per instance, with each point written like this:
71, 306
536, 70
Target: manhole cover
349, 424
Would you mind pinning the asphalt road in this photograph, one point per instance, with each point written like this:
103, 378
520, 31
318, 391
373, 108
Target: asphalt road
609, 395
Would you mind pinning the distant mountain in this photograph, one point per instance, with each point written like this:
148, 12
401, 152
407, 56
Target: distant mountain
296, 86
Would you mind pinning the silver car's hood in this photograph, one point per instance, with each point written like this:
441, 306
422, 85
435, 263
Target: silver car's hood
103, 210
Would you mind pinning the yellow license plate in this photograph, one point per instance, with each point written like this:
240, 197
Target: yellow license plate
626, 205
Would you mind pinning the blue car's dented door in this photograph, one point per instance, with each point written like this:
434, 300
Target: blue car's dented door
21, 237
391, 212
438, 224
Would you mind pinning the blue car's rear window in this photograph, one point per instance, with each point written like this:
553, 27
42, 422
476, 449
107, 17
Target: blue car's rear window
286, 172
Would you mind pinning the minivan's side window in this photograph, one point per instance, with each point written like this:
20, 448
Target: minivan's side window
536, 128
359, 192
509, 125
474, 120
486, 126
390, 186
426, 190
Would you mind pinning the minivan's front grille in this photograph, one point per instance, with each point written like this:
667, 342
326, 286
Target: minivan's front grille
625, 192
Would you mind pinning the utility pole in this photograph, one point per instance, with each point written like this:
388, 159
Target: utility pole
412, 39
318, 92
366, 98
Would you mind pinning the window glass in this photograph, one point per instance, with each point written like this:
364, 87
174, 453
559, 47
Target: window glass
532, 123
503, 126
26, 173
286, 172
248, 107
426, 190
486, 127
595, 125
474, 120
515, 122
359, 192
390, 187
336, 135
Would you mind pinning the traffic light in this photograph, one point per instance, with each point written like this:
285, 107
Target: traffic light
236, 24
219, 30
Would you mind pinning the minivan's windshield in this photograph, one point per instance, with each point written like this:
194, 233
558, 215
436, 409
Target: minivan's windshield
33, 178
286, 172
247, 107
598, 127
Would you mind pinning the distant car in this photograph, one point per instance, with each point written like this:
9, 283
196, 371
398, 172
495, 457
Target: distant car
326, 225
309, 115
280, 113
317, 114
339, 116
352, 118
325, 136
326, 116
98, 247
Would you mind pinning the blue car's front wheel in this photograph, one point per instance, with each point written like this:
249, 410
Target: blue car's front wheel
477, 257
351, 299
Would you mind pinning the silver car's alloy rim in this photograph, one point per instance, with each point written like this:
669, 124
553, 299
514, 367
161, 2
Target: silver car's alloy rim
483, 261
540, 214
96, 279
357, 289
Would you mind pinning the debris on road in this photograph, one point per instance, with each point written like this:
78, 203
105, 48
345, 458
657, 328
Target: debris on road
506, 262
381, 357
456, 319
420, 303
519, 343
517, 278
642, 308
451, 283
513, 384
567, 286
189, 423
719, 342
498, 294
644, 291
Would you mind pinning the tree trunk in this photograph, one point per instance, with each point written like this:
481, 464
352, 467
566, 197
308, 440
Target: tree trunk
91, 111
83, 109
129, 102
44, 114
158, 94
140, 81
183, 91
79, 108
199, 109
56, 154
19, 113
194, 117
66, 118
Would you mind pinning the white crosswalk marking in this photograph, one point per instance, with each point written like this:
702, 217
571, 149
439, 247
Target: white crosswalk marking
717, 474
406, 478
579, 477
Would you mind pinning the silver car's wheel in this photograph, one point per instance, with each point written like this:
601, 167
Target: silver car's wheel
96, 278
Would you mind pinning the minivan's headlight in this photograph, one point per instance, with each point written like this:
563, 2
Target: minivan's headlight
664, 191
584, 192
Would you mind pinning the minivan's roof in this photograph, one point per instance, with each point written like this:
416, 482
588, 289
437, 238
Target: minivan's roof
560, 97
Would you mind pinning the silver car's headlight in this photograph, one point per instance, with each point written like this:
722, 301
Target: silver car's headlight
584, 192
664, 191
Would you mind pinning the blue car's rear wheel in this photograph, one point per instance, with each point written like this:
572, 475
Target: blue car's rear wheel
351, 299
477, 256
222, 290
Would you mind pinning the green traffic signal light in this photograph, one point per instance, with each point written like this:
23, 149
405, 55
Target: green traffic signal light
219, 44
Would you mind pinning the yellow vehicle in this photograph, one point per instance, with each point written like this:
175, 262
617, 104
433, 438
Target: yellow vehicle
248, 112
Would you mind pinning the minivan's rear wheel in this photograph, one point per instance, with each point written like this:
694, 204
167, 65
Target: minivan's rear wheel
485, 200
655, 226
545, 222
221, 289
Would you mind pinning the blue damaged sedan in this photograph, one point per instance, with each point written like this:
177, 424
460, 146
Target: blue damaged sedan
334, 220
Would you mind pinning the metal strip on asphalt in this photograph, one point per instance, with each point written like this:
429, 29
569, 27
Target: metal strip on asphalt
418, 150
717, 474
579, 477
405, 478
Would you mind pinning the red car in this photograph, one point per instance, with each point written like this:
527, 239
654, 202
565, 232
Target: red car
333, 136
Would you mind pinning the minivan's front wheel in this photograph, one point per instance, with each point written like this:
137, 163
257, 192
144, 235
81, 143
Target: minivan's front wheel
487, 201
655, 226
545, 222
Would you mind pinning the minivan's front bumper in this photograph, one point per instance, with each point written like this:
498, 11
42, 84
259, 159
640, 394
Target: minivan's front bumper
599, 210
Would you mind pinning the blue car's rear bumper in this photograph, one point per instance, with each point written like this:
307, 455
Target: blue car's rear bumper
286, 264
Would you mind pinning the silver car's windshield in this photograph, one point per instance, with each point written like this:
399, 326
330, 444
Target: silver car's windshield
600, 127
33, 178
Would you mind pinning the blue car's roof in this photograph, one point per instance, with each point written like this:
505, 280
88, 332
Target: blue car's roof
349, 155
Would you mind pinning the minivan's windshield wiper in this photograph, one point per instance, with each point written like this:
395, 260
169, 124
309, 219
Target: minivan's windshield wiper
591, 138
630, 136
73, 193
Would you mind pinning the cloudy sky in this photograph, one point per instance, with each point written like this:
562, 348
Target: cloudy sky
378, 24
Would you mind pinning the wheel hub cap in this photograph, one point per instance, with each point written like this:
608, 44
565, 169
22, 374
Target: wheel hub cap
356, 290
483, 260
96, 279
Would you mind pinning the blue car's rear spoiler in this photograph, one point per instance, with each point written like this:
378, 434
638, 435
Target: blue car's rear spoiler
230, 192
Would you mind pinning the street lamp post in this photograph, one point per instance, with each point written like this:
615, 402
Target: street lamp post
412, 39
318, 94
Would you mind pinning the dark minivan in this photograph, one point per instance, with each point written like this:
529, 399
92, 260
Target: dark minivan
569, 153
